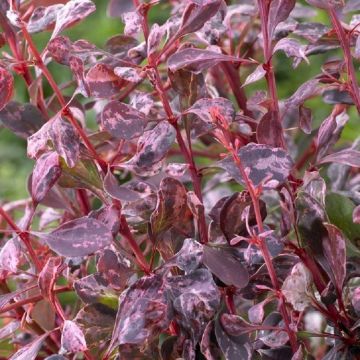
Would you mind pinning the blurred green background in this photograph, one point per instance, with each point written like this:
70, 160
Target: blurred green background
97, 28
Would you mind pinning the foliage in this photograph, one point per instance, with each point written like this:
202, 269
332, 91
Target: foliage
189, 221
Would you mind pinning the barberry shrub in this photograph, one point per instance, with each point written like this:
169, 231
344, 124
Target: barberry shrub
201, 216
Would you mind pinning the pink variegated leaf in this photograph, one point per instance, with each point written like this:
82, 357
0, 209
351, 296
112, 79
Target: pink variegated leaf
47, 277
30, 351
72, 338
43, 18
6, 87
349, 157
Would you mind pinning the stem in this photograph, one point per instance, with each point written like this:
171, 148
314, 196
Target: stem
23, 236
125, 231
270, 76
344, 42
65, 110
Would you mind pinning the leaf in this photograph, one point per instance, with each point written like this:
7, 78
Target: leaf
275, 339
143, 312
133, 21
225, 266
349, 157
197, 60
233, 347
128, 73
6, 87
207, 109
296, 287
122, 120
47, 277
153, 145
305, 91
46, 172
116, 8
116, 191
171, 205
72, 338
335, 96
305, 119
256, 75
8, 329
269, 130
102, 81
155, 36
77, 68
37, 143
340, 212
335, 252
356, 215
262, 162
43, 18
291, 48
207, 346
72, 12
79, 237
60, 49
30, 351
279, 10
195, 299
22, 119
195, 16
10, 256
65, 139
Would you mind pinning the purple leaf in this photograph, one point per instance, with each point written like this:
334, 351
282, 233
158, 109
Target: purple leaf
30, 351
10, 256
262, 162
279, 10
291, 48
116, 8
256, 75
72, 338
72, 12
46, 172
6, 87
349, 157
335, 252
60, 49
210, 350
225, 266
8, 329
269, 130
197, 60
305, 119
22, 119
128, 73
43, 18
156, 34
77, 68
311, 31
65, 139
207, 109
133, 21
47, 277
122, 120
79, 237
37, 143
102, 81
116, 191
143, 312
305, 91
335, 96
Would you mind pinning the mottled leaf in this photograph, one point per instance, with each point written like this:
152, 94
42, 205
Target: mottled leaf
305, 119
132, 20
8, 329
335, 96
228, 268
349, 157
269, 130
79, 237
30, 351
22, 119
47, 277
72, 338
46, 172
256, 75
10, 256
128, 73
122, 120
43, 18
291, 48
116, 191
60, 49
6, 87
156, 34
196, 60
262, 162
279, 10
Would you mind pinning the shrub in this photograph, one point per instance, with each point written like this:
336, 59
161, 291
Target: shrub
200, 216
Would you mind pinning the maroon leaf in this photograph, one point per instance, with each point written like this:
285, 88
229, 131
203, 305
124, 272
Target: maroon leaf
47, 277
349, 157
6, 87
79, 237
225, 266
116, 191
65, 139
262, 162
22, 119
269, 130
38, 142
77, 67
133, 21
72, 338
128, 73
30, 351
122, 120
196, 60
72, 12
46, 172
60, 49
102, 81
335, 252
